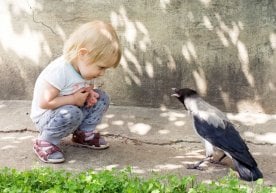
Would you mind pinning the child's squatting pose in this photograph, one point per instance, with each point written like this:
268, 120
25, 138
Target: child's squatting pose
63, 102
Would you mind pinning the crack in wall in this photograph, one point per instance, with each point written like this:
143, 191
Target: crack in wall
40, 22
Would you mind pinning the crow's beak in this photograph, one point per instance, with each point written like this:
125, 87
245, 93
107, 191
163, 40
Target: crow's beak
175, 94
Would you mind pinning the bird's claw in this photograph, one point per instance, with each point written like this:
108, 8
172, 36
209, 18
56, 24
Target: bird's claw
194, 167
216, 162
212, 161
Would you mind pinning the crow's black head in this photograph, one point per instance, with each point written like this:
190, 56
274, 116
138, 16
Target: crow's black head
183, 93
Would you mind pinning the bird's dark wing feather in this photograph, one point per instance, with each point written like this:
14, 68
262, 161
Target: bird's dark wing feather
227, 139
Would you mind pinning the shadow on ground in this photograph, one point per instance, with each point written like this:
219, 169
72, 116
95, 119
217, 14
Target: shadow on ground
149, 140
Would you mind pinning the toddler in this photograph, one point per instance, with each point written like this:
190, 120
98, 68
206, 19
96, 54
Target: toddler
63, 101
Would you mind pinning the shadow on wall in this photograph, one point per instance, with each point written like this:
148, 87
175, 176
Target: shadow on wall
219, 48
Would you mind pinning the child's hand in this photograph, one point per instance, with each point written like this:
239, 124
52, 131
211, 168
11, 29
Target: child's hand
92, 98
81, 96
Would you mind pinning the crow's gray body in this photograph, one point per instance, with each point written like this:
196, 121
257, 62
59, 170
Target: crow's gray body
200, 110
217, 131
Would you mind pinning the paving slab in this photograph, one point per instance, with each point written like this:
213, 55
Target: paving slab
147, 139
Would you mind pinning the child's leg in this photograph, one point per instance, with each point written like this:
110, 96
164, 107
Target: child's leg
93, 116
53, 126
59, 123
86, 135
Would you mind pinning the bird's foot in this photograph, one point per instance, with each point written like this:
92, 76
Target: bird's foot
212, 161
218, 162
194, 167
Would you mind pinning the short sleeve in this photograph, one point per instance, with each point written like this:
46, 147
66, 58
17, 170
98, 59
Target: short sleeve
55, 76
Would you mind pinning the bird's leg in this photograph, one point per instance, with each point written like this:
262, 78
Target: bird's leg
197, 165
219, 160
222, 157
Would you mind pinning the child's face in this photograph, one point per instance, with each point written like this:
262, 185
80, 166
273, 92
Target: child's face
89, 70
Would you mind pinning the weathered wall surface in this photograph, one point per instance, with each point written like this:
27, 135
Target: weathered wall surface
224, 49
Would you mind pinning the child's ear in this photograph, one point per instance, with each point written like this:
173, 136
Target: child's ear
82, 52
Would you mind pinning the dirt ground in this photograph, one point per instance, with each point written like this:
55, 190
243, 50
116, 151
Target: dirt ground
148, 140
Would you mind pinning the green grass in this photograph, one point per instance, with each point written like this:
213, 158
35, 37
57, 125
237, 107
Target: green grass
58, 181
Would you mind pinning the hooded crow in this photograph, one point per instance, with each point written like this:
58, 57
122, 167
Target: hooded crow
217, 131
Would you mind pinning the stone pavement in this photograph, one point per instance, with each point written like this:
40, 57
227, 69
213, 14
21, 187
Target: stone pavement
147, 139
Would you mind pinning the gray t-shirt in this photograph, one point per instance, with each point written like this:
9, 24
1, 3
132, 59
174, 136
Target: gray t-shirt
60, 74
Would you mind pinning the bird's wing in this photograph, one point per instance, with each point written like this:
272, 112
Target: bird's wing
227, 139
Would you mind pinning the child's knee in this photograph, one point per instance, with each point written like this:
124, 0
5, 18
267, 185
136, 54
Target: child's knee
71, 114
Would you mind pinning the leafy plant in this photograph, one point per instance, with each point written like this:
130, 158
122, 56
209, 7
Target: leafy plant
47, 180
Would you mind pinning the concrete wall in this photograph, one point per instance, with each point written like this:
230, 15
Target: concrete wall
224, 49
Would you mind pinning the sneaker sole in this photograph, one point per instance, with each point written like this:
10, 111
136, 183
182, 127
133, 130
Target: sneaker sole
90, 146
54, 161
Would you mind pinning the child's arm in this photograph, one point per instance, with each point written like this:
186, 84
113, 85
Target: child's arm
50, 99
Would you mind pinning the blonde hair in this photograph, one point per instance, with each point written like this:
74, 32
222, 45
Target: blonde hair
98, 37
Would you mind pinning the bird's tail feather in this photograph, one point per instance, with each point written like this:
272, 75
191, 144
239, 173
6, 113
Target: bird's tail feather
248, 174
